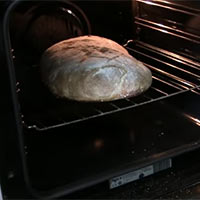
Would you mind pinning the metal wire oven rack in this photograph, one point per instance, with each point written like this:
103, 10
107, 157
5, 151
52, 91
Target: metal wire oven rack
172, 74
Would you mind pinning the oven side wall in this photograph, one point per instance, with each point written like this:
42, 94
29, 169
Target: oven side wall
11, 175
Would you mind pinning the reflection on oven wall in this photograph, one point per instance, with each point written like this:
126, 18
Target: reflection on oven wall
193, 26
39, 28
45, 30
35, 26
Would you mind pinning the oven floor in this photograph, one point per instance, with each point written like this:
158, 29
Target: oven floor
119, 141
182, 181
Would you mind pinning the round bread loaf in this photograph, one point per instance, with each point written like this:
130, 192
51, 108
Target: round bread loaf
92, 68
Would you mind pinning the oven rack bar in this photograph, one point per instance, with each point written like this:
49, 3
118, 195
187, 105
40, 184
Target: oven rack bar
164, 85
39, 126
174, 31
184, 7
165, 53
170, 31
172, 6
169, 75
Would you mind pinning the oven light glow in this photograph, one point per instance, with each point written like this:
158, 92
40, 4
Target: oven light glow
154, 2
149, 2
193, 119
197, 190
177, 56
164, 31
161, 25
69, 11
186, 83
98, 143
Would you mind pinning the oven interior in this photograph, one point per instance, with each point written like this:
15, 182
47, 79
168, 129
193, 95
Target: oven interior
68, 145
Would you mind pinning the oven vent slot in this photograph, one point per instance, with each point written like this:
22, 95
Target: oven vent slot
172, 75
